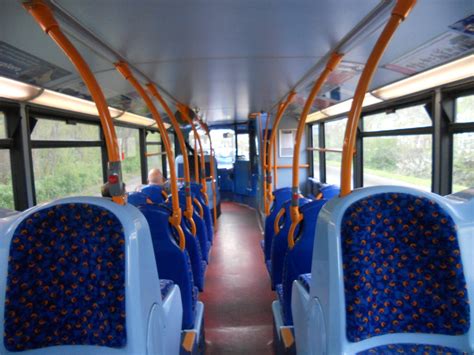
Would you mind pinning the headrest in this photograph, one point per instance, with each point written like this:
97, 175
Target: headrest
154, 192
138, 198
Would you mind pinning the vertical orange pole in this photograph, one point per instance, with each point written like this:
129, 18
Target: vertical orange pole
196, 160
399, 13
213, 170
295, 214
175, 219
45, 18
188, 213
281, 109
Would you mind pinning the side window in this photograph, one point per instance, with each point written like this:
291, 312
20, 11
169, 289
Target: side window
154, 152
315, 153
334, 137
398, 159
65, 171
463, 146
6, 188
129, 144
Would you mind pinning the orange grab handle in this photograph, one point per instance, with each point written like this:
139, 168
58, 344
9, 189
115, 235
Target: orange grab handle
179, 134
399, 13
182, 240
276, 223
201, 209
296, 216
291, 232
45, 18
175, 219
281, 109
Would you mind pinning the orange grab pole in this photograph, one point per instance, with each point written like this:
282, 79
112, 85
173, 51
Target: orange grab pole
184, 111
278, 118
45, 18
213, 170
399, 13
296, 216
188, 213
196, 161
264, 166
276, 223
175, 219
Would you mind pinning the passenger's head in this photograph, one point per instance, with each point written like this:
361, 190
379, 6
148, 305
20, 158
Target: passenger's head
155, 177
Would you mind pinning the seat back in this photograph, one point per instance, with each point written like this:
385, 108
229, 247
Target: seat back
173, 263
280, 243
298, 260
392, 261
201, 229
154, 193
73, 271
280, 196
196, 192
329, 191
402, 268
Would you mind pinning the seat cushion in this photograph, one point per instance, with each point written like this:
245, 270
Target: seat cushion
402, 268
418, 349
165, 286
305, 280
66, 279
262, 245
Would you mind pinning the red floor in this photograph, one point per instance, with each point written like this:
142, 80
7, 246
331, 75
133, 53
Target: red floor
237, 295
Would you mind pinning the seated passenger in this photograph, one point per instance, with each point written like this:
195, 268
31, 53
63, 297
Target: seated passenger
157, 188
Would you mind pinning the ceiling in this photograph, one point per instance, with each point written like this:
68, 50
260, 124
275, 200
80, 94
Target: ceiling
228, 58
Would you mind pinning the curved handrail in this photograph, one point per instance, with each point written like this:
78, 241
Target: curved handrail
213, 169
399, 13
282, 108
296, 216
45, 18
184, 112
276, 223
188, 212
175, 219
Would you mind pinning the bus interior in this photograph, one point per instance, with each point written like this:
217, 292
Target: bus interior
236, 177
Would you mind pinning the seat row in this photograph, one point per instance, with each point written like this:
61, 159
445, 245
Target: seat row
102, 277
388, 270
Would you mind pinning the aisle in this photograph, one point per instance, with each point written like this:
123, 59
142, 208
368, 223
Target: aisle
237, 296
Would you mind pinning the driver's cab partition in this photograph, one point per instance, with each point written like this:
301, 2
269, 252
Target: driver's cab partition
237, 158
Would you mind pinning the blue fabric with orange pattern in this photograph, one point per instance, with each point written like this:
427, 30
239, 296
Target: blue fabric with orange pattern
280, 196
402, 268
417, 349
280, 243
172, 263
66, 279
299, 259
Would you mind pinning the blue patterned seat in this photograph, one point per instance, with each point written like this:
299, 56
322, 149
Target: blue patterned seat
417, 349
402, 287
280, 196
66, 277
201, 229
172, 263
196, 192
298, 260
402, 268
280, 243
